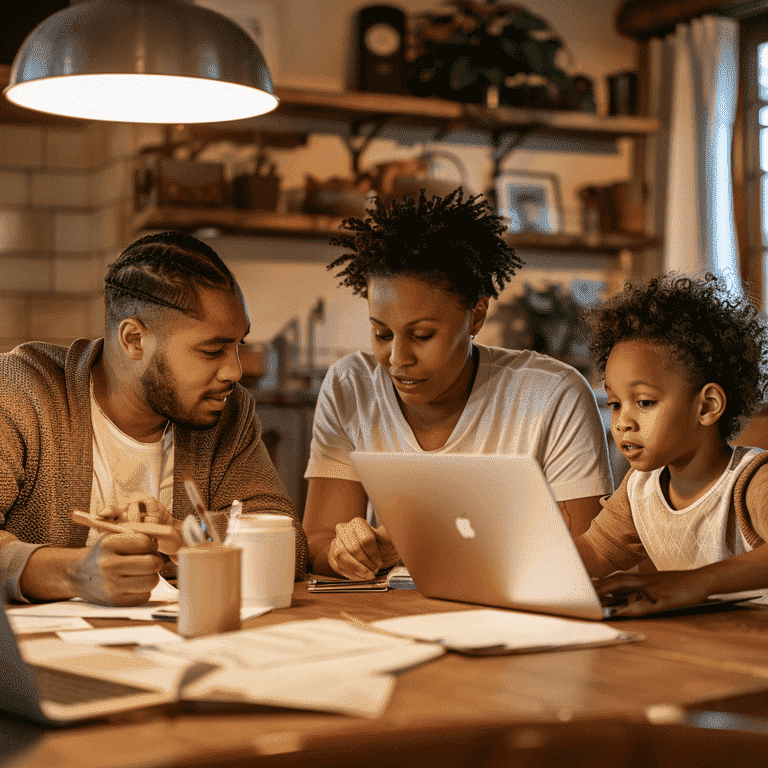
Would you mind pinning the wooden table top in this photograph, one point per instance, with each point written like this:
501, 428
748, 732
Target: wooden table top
715, 657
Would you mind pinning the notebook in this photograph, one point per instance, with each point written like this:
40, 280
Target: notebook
482, 529
55, 682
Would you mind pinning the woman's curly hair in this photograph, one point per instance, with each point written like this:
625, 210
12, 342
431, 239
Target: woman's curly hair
449, 241
713, 335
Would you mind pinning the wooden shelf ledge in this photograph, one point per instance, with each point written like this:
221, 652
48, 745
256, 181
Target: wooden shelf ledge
311, 226
432, 112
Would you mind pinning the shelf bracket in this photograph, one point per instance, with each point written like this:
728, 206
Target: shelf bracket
357, 141
503, 143
502, 148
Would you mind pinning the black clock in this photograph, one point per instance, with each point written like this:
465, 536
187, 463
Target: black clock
381, 49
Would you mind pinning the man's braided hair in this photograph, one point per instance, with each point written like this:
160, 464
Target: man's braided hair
162, 272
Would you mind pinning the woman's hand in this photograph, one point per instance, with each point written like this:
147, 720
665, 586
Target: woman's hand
654, 592
360, 551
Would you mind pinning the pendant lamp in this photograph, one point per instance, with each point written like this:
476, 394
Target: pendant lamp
141, 61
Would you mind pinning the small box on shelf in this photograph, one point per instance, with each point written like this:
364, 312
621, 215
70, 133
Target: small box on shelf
252, 191
168, 181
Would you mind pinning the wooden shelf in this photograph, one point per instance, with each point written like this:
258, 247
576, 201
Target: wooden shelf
442, 113
233, 221
355, 108
230, 221
608, 243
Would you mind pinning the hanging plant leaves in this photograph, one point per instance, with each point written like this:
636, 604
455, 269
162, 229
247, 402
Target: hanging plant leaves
482, 43
463, 73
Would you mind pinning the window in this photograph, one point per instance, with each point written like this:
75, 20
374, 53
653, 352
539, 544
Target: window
750, 158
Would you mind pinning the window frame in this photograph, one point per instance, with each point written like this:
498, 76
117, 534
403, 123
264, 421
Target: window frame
747, 175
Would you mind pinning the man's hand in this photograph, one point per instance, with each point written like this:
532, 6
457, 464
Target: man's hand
119, 569
654, 592
148, 510
360, 551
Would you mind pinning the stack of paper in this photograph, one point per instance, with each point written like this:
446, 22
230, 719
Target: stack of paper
323, 664
514, 631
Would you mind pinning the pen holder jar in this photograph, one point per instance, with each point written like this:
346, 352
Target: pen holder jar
269, 558
209, 589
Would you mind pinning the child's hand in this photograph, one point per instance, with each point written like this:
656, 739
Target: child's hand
654, 592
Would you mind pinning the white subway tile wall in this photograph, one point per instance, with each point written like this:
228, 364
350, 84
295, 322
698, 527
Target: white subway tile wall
13, 316
21, 146
61, 190
73, 232
77, 275
13, 187
65, 195
24, 273
24, 229
73, 150
59, 319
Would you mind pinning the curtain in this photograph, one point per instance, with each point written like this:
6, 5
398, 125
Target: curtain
695, 70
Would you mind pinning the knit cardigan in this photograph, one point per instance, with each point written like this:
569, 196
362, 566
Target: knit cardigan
46, 457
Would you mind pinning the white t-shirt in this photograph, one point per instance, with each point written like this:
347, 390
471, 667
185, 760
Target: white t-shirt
521, 402
124, 469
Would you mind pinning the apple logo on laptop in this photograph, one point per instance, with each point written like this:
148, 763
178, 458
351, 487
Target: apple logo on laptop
464, 527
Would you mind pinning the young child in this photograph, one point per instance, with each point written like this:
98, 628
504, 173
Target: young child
684, 368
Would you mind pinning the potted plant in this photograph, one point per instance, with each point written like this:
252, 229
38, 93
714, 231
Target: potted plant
485, 51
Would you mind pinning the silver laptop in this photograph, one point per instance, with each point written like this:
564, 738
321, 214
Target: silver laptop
482, 529
57, 683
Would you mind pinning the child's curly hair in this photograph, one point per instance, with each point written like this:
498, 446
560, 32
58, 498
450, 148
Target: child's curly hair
714, 336
451, 242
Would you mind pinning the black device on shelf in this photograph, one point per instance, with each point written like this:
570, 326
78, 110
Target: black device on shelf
380, 50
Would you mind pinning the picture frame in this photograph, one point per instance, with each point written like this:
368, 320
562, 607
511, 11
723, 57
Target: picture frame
530, 201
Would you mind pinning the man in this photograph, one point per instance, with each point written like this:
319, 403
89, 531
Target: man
103, 425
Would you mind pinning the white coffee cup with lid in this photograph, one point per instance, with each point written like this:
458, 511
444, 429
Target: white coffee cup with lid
269, 558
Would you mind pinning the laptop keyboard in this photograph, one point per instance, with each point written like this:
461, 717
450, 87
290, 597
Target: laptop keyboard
62, 687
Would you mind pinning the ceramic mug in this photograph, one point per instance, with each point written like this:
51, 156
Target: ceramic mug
209, 589
269, 558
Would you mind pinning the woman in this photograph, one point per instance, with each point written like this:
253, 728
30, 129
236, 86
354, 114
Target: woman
428, 269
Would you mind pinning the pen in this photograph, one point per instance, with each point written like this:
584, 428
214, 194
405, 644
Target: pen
151, 529
166, 614
199, 507
93, 522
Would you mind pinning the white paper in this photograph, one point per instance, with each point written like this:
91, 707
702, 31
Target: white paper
322, 664
359, 695
24, 625
116, 664
325, 665
162, 594
487, 626
164, 591
122, 636
319, 644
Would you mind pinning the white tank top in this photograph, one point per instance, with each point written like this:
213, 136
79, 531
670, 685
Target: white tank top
705, 532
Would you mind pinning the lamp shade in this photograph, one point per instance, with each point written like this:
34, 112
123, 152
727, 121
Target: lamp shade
141, 61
